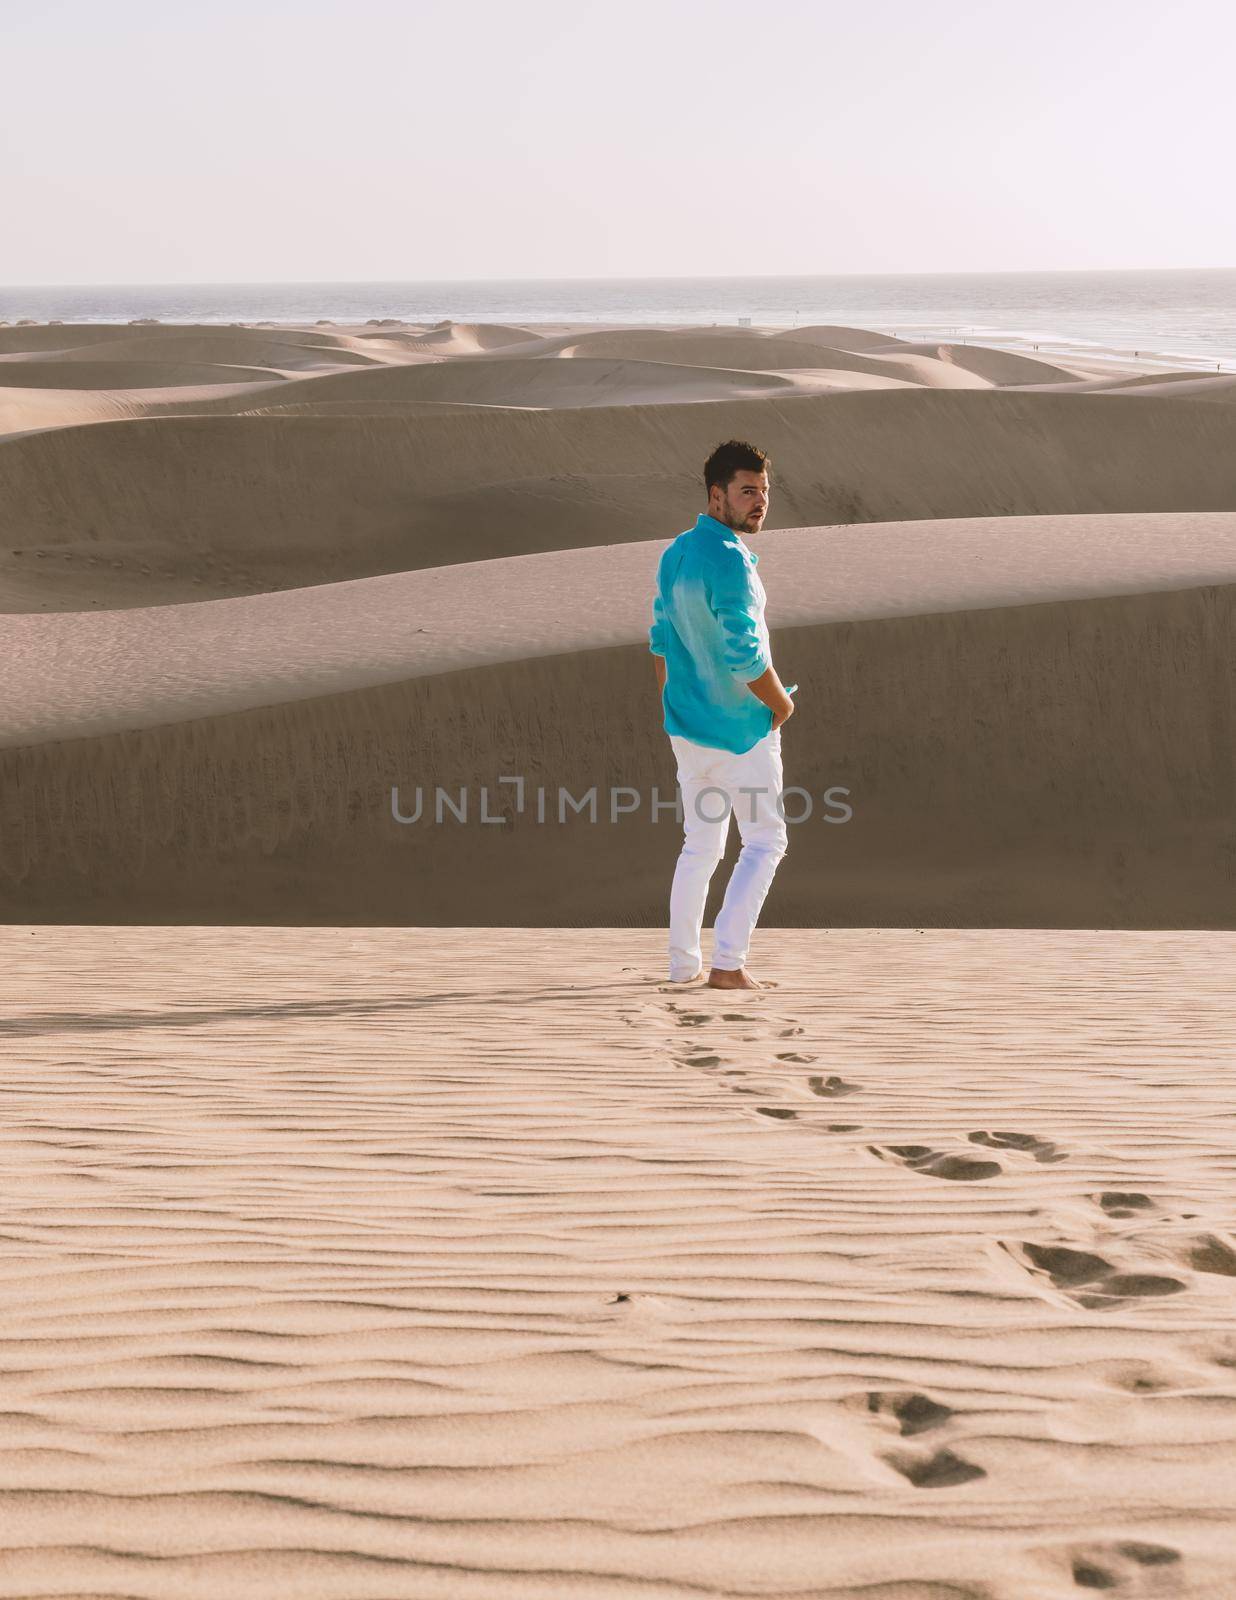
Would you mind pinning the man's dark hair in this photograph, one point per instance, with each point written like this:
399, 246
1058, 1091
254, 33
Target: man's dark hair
735, 455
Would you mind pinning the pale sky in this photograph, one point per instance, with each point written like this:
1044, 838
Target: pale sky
316, 140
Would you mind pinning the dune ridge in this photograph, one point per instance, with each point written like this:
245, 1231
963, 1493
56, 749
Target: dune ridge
228, 505
80, 674
239, 460
1100, 793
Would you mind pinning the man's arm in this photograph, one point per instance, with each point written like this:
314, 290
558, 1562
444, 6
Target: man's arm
734, 604
769, 688
656, 637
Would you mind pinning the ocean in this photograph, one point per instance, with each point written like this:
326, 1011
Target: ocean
1173, 318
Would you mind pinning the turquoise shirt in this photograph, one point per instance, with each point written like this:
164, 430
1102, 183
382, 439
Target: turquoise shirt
708, 623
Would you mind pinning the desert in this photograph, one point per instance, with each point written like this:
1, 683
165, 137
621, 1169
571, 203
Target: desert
379, 1222
328, 562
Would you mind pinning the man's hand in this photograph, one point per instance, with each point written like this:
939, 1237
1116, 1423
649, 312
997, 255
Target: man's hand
768, 688
661, 671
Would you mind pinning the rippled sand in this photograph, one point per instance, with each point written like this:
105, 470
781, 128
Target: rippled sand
481, 1263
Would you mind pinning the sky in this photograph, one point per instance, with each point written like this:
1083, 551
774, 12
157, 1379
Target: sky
393, 140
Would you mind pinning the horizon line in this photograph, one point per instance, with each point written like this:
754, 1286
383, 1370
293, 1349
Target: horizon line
769, 277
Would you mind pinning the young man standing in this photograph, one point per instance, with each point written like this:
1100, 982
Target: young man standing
723, 705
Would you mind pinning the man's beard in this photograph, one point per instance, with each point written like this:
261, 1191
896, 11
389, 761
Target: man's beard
736, 520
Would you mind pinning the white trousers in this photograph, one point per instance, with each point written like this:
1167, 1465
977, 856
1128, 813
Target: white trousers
715, 785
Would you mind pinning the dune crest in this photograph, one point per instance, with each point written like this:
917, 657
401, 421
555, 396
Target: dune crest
235, 761
189, 501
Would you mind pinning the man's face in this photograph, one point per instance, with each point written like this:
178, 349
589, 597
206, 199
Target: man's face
743, 503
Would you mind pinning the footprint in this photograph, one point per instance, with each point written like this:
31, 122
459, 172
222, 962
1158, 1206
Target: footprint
844, 1127
831, 1088
632, 1306
1090, 1280
1066, 1267
776, 1111
736, 1016
1119, 1566
1212, 1254
692, 1019
938, 1163
940, 1470
1040, 1149
1118, 1203
1142, 1377
796, 1056
1128, 1286
701, 1061
1219, 1353
790, 1033
915, 1413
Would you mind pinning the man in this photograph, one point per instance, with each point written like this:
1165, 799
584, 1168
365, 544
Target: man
723, 706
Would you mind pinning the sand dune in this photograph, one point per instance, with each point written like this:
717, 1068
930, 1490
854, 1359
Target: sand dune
468, 1262
174, 371
514, 381
151, 373
466, 338
1220, 386
662, 342
926, 371
33, 410
761, 355
102, 373
1089, 651
996, 366
257, 406
840, 338
202, 346
1077, 646
230, 505
933, 365
644, 383
76, 675
82, 341
15, 343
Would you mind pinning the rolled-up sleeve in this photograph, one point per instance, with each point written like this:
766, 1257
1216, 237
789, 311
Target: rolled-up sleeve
656, 634
735, 605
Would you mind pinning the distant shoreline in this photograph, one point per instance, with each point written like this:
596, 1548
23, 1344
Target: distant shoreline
1090, 358
1183, 319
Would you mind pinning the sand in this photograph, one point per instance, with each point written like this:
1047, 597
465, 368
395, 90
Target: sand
476, 1263
1067, 763
172, 508
242, 616
373, 1207
169, 464
79, 674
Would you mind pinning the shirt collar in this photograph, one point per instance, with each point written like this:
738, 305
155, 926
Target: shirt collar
706, 524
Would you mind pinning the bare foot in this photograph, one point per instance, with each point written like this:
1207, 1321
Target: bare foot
722, 978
